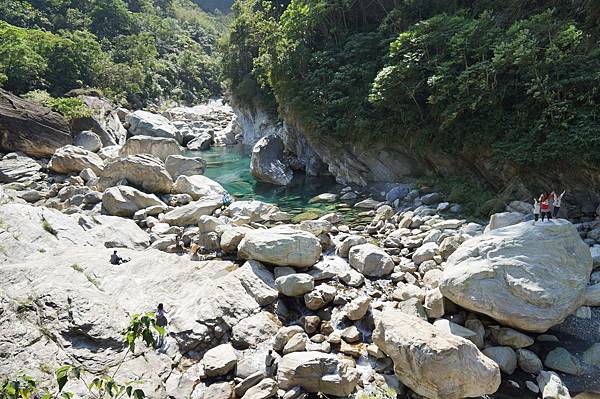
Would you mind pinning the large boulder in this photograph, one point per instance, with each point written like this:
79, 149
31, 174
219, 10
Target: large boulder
160, 147
72, 159
144, 123
126, 201
178, 165
282, 246
525, 276
30, 128
266, 162
198, 186
190, 214
144, 171
370, 260
431, 362
88, 140
104, 121
18, 167
317, 372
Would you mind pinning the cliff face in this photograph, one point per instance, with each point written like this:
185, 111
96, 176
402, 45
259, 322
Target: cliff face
361, 164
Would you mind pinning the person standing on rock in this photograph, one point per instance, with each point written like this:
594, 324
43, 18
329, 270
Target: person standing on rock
270, 364
161, 321
557, 203
536, 210
226, 201
545, 206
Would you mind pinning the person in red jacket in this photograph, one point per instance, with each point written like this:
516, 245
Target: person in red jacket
545, 206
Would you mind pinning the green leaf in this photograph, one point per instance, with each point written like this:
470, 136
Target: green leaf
62, 376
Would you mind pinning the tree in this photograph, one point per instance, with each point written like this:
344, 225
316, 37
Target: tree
22, 66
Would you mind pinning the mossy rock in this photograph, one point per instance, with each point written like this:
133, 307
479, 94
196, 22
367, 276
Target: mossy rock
307, 215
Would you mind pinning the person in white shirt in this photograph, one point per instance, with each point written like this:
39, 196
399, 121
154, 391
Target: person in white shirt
557, 202
536, 210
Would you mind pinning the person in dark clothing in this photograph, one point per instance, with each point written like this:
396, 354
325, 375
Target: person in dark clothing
270, 364
115, 259
161, 321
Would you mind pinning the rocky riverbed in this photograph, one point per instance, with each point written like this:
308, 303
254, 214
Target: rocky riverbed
393, 295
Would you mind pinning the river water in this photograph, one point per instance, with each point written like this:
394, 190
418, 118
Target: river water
230, 166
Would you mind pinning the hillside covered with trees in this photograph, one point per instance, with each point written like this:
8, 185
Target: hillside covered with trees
521, 78
135, 51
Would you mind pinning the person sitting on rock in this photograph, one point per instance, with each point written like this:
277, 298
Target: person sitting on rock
161, 321
536, 210
557, 202
115, 259
270, 364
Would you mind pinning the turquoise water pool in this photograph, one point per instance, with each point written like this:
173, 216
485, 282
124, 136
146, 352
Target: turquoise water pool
230, 166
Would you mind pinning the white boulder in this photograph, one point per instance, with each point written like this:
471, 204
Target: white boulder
72, 159
160, 147
432, 363
281, 246
525, 276
370, 260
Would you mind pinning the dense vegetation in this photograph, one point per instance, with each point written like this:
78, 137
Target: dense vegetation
135, 51
519, 78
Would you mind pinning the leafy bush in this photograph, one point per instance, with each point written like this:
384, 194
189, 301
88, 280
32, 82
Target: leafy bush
48, 227
70, 108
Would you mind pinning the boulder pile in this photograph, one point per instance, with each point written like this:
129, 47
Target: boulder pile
416, 301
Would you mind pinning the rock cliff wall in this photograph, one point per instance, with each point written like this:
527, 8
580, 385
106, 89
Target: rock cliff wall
361, 164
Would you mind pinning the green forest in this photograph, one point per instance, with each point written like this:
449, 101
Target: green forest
518, 78
136, 52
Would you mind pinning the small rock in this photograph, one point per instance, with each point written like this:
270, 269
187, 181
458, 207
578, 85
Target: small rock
297, 343
560, 359
551, 386
528, 361
350, 334
219, 360
370, 260
592, 355
295, 284
509, 337
358, 308
504, 356
265, 389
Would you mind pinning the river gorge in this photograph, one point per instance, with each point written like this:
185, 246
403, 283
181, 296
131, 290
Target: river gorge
307, 289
